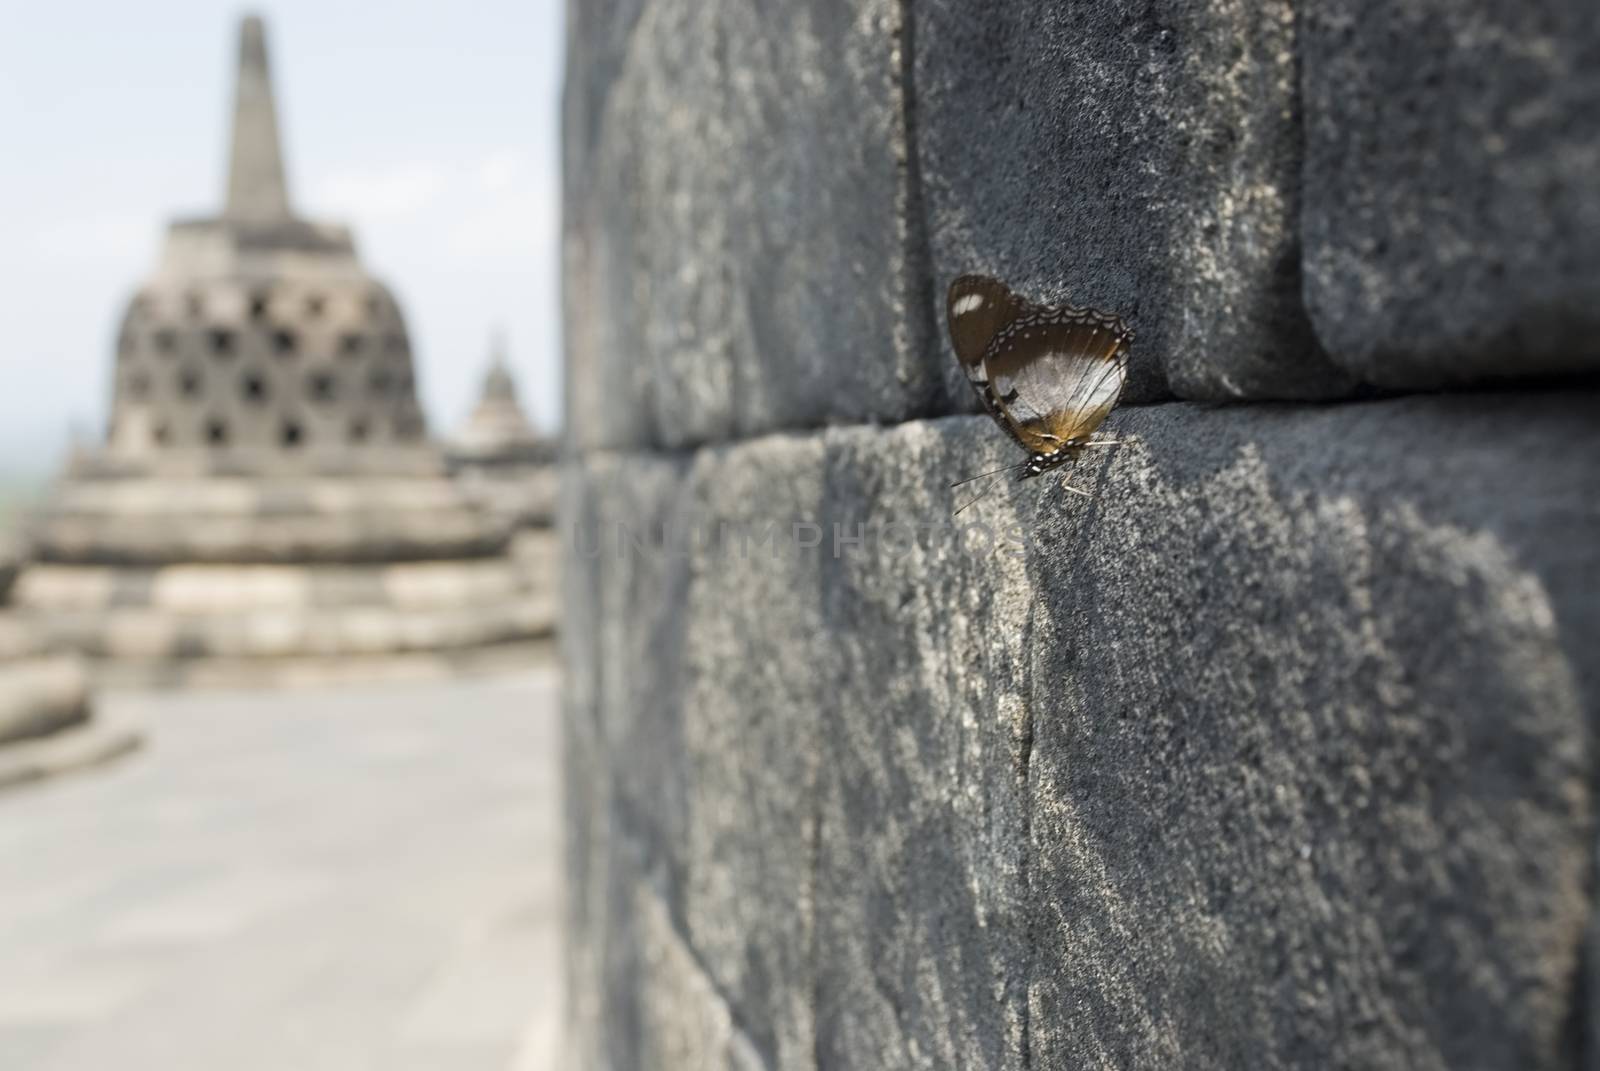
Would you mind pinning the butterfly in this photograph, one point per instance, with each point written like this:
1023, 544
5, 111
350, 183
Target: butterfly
1049, 375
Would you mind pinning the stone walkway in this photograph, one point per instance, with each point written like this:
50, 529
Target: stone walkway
294, 881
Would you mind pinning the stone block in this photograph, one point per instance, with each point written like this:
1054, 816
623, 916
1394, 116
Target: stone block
1452, 217
1272, 754
1142, 158
757, 665
672, 681
761, 281
625, 638
922, 944
586, 786
1310, 768
692, 1026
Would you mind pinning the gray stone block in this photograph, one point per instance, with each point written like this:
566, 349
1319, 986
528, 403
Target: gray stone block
671, 686
1309, 768
1142, 158
1273, 754
922, 943
1452, 216
753, 736
627, 597
692, 1027
759, 281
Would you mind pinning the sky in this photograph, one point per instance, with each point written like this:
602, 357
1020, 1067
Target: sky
432, 128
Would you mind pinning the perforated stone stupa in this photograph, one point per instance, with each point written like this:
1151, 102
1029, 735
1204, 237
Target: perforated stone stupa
261, 340
266, 488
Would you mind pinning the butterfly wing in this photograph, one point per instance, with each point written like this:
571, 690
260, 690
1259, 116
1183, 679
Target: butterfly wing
978, 308
1056, 374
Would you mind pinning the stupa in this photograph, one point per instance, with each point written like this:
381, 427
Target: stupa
498, 457
266, 494
498, 429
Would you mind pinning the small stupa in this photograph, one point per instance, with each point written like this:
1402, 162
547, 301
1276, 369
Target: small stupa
498, 457
498, 429
266, 491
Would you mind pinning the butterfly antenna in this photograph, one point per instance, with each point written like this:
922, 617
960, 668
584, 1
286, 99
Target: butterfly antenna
995, 472
981, 496
986, 490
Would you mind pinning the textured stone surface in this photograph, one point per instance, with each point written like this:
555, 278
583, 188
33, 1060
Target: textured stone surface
760, 280
1139, 157
1452, 217
734, 679
1277, 752
1064, 803
694, 1027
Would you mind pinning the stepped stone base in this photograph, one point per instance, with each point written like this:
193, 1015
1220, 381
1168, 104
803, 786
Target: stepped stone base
149, 577
520, 496
313, 671
253, 519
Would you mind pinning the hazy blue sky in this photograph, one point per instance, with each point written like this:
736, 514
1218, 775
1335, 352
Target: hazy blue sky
431, 127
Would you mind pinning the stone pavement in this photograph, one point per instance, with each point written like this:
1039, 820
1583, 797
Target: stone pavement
341, 879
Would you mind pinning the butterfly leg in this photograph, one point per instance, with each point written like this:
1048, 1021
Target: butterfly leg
1075, 490
1104, 442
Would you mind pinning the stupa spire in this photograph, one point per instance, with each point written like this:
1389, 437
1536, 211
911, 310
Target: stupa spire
257, 189
498, 385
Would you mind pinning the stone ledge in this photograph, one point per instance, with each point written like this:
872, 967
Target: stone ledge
243, 589
71, 750
314, 671
1275, 753
40, 696
326, 632
160, 521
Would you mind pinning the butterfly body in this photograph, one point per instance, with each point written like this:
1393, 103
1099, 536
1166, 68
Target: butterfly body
1048, 375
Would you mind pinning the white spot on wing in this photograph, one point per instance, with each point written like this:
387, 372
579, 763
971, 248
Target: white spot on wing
967, 304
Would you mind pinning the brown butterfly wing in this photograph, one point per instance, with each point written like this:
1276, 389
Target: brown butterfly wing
979, 308
1056, 374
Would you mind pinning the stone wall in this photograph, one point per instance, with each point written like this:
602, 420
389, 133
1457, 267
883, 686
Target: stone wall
1275, 753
